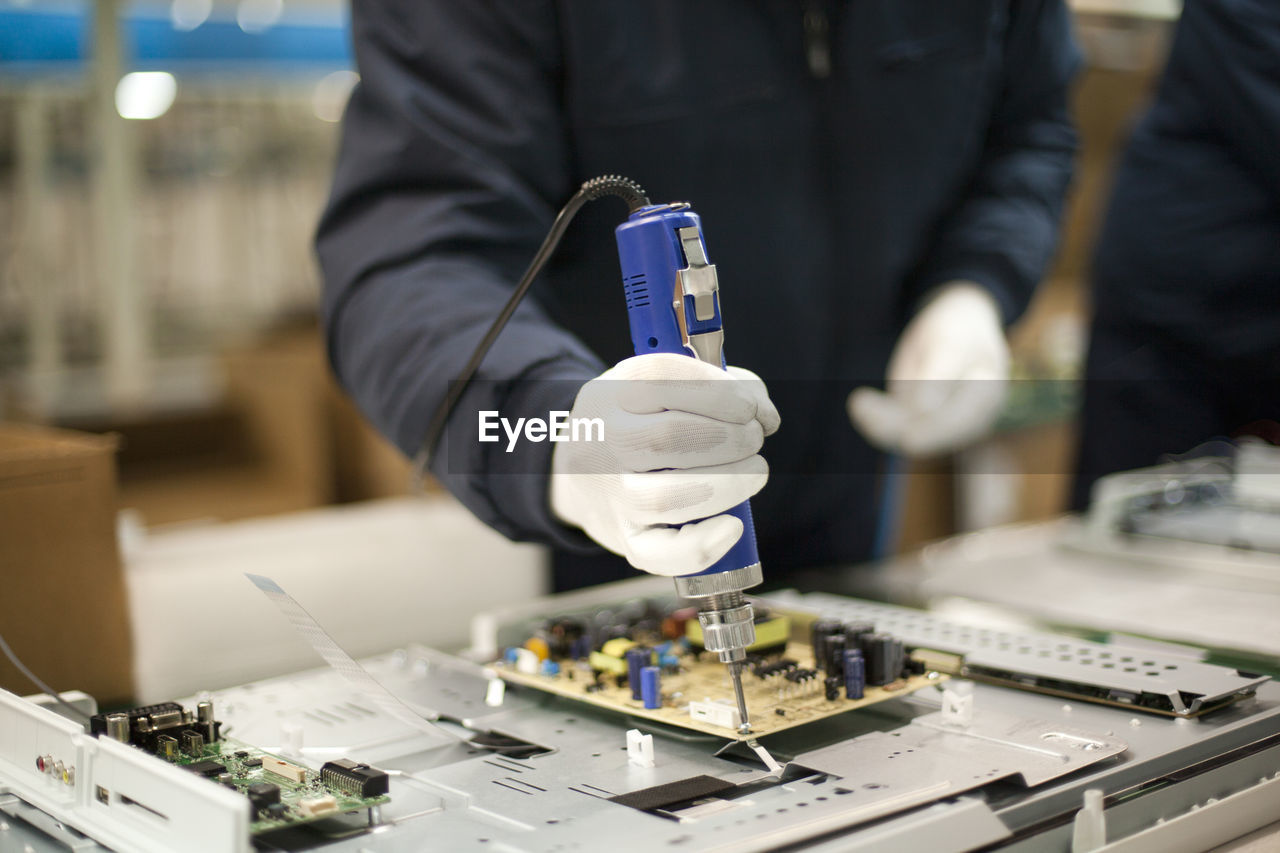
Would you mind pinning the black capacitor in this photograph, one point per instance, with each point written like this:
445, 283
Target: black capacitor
832, 686
855, 631
833, 654
818, 634
899, 667
879, 655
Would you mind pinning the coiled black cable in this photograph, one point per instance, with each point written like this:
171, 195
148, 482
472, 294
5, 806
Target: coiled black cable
596, 188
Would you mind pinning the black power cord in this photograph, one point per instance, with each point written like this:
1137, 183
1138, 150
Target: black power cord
596, 188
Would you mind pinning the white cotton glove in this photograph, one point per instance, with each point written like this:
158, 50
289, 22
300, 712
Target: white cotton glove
947, 377
681, 442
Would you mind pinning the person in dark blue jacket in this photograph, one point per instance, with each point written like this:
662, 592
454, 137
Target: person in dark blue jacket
1185, 338
867, 173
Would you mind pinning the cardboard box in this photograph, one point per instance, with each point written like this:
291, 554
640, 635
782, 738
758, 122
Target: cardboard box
62, 595
366, 465
265, 450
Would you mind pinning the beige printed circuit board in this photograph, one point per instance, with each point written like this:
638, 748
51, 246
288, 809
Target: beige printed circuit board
700, 695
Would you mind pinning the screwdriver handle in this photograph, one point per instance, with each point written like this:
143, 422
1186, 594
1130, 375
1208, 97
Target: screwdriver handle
673, 306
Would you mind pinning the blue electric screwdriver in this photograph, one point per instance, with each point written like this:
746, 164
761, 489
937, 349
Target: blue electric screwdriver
673, 306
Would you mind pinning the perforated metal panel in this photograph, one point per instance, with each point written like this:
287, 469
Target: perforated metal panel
1048, 662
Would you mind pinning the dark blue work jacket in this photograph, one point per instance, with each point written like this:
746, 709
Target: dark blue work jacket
1190, 249
846, 157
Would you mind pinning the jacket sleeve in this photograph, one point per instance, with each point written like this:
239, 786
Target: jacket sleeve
453, 163
1235, 46
1002, 230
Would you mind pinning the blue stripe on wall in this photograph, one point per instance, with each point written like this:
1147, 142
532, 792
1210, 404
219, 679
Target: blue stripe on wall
58, 41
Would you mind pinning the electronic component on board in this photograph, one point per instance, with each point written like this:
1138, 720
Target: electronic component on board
855, 631
638, 658
318, 806
205, 722
820, 630
884, 658
192, 742
167, 747
831, 656
617, 647
144, 725
855, 676
118, 727
262, 795
715, 714
602, 662
207, 768
651, 687
526, 660
360, 779
580, 647
831, 687
284, 769
539, 647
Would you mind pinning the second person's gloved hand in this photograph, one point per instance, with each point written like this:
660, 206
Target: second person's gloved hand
681, 442
947, 378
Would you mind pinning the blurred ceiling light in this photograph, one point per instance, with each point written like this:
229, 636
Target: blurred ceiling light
186, 15
145, 94
331, 94
258, 16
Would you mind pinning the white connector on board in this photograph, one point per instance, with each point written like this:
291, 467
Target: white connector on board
715, 713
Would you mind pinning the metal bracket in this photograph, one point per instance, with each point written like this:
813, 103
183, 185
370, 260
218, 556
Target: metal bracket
929, 759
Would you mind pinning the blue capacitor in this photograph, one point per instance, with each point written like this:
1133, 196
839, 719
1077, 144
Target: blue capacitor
637, 658
855, 674
510, 655
651, 686
550, 667
669, 660
580, 648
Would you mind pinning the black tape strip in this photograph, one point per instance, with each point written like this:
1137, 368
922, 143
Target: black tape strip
680, 791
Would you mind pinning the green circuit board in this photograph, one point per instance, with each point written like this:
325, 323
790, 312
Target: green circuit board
277, 791
304, 795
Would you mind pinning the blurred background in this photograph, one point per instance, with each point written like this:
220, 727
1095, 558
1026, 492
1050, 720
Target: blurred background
162, 166
168, 420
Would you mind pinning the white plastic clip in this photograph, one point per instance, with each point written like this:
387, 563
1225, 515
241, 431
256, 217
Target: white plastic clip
495, 692
957, 703
292, 735
639, 748
1090, 830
